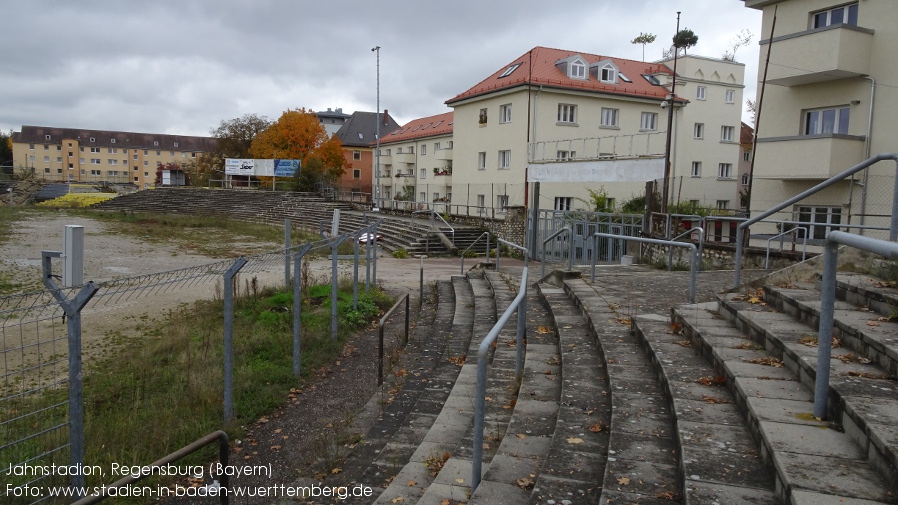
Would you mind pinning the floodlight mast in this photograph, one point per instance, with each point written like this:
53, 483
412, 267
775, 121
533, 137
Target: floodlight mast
376, 49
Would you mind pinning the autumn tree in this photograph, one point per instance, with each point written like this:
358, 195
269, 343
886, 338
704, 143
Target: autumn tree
6, 148
684, 39
643, 38
298, 134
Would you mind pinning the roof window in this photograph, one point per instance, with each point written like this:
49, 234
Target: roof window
652, 79
508, 71
623, 77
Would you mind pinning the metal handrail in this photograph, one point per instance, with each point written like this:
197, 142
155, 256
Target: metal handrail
380, 335
570, 256
804, 252
520, 304
893, 228
689, 245
701, 242
437, 214
472, 245
223, 451
514, 246
828, 300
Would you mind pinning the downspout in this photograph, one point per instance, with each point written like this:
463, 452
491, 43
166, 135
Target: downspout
867, 148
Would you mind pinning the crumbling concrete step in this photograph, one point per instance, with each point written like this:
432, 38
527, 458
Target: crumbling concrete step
807, 456
643, 459
576, 463
719, 463
865, 332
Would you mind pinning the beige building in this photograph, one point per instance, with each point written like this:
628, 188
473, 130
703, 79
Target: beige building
830, 103
416, 164
578, 122
74, 155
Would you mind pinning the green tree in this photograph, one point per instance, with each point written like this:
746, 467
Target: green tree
643, 38
599, 200
298, 134
235, 137
6, 148
684, 39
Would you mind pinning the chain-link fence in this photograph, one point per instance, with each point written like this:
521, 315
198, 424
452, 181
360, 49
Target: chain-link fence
41, 418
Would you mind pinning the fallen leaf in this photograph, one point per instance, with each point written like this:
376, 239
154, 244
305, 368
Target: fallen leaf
336, 470
872, 323
521, 435
766, 361
445, 502
543, 329
597, 427
460, 481
712, 381
275, 447
525, 483
411, 483
398, 499
575, 440
278, 430
623, 481
684, 343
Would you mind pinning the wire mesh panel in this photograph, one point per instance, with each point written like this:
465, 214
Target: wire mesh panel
583, 226
34, 430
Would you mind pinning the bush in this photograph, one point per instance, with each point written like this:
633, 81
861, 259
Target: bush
400, 253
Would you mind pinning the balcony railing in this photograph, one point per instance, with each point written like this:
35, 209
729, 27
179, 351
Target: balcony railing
641, 145
826, 54
809, 156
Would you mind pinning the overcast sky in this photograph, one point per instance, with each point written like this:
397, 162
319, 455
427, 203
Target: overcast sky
182, 66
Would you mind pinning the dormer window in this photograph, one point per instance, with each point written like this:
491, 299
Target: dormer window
578, 70
176, 144
605, 71
46, 137
112, 141
155, 143
93, 139
609, 74
509, 70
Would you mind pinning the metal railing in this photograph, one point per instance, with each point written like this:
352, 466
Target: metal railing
513, 246
638, 145
888, 249
570, 255
519, 304
701, 245
463, 253
693, 263
223, 451
435, 213
893, 228
804, 251
380, 335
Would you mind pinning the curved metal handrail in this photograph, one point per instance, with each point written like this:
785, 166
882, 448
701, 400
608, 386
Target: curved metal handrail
570, 256
472, 245
804, 252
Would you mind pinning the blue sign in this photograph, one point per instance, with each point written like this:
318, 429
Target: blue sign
286, 168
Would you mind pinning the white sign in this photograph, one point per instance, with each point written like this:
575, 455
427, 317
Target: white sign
238, 166
640, 170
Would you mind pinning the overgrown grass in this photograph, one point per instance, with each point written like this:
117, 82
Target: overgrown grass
163, 389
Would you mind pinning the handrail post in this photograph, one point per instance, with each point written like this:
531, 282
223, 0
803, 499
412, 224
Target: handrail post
824, 332
229, 338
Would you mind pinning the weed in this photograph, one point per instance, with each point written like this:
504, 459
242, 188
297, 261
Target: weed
400, 253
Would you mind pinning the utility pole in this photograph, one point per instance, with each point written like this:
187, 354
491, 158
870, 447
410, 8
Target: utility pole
376, 49
670, 114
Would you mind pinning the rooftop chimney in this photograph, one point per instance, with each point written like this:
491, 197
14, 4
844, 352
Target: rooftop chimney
386, 115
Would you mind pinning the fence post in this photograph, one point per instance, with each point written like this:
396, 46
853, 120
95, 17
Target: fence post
229, 338
407, 317
287, 245
334, 278
297, 306
72, 310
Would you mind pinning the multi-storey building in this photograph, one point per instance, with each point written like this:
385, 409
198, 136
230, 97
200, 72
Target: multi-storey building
332, 120
416, 164
73, 155
592, 122
829, 104
358, 135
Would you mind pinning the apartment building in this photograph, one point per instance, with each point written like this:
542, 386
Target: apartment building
332, 120
416, 165
580, 122
75, 155
358, 135
830, 103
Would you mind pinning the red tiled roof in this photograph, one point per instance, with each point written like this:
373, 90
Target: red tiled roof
746, 134
431, 126
537, 67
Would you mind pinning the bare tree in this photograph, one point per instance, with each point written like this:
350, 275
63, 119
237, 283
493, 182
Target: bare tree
742, 39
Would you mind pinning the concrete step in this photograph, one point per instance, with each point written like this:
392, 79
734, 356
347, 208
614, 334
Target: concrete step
758, 353
643, 463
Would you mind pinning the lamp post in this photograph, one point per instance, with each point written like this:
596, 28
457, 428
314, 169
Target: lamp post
376, 49
670, 113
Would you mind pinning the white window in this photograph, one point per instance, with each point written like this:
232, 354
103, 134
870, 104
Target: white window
482, 117
356, 173
155, 143
59, 159
95, 172
746, 156
566, 155
505, 113
112, 162
46, 159
609, 117
356, 155
504, 160
509, 70
171, 153
423, 174
725, 171
696, 169
726, 133
820, 219
481, 160
112, 150
699, 131
563, 203
578, 70
423, 149
745, 179
112, 172
176, 144
47, 137
146, 163
730, 96
723, 204
81, 160
95, 161
567, 113
700, 93
93, 139
846, 14
501, 202
649, 121
436, 146
31, 146
46, 147
608, 74
112, 141
481, 202
94, 149
826, 121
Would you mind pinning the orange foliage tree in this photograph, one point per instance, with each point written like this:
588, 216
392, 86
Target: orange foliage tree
298, 135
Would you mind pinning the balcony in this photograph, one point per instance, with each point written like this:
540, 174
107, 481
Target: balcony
444, 154
827, 54
807, 157
404, 157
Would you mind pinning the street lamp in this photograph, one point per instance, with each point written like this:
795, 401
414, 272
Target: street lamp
376, 49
